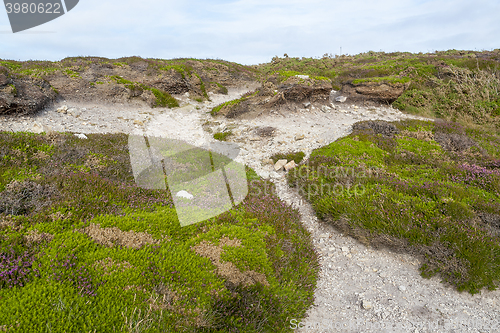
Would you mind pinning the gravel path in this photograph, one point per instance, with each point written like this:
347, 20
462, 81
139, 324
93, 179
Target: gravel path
360, 289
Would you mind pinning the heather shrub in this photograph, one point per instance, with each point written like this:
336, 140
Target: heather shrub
417, 193
104, 254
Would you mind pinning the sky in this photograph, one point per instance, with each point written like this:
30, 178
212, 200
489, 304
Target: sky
254, 31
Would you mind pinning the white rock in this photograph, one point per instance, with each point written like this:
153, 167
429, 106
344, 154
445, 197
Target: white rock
325, 108
37, 128
186, 94
280, 164
290, 165
63, 109
264, 174
267, 161
333, 94
366, 305
275, 175
74, 112
307, 104
341, 99
81, 135
302, 76
299, 137
184, 194
402, 288
345, 249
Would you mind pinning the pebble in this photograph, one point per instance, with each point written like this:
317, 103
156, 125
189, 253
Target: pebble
366, 305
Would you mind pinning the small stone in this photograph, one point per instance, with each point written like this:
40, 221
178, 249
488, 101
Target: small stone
254, 138
37, 128
402, 288
184, 194
366, 305
290, 165
74, 112
275, 175
186, 94
280, 164
264, 174
302, 76
138, 122
307, 104
63, 109
299, 137
341, 99
81, 136
267, 161
345, 249
325, 108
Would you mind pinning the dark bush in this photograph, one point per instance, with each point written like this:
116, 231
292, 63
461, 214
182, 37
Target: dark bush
21, 198
377, 127
454, 142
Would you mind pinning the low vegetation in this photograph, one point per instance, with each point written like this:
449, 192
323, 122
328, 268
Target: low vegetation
428, 188
221, 136
83, 248
233, 103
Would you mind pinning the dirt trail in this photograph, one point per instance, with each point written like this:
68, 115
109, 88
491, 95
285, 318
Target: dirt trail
359, 290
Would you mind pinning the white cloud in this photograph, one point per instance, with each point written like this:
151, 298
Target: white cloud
253, 31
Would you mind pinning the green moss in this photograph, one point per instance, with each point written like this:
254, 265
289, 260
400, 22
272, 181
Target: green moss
222, 136
222, 88
425, 149
72, 73
14, 90
232, 103
202, 87
12, 65
184, 70
388, 79
164, 99
352, 151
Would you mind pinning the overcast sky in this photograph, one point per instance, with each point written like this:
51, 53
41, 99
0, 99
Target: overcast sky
253, 31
